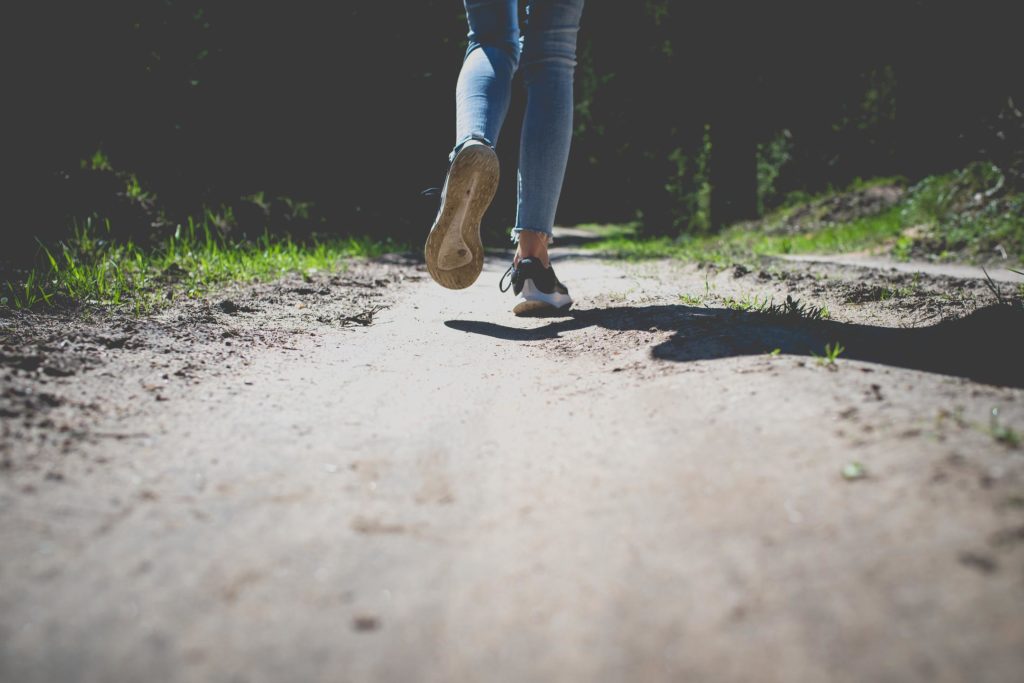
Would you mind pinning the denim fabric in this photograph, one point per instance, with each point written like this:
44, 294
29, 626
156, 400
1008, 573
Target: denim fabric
545, 52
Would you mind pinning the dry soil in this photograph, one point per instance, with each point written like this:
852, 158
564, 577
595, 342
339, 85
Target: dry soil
365, 477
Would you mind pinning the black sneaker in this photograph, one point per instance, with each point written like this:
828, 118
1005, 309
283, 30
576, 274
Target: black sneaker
537, 289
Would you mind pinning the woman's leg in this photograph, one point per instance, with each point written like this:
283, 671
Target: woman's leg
485, 82
454, 251
548, 63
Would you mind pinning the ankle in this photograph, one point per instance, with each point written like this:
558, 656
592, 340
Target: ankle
542, 257
533, 245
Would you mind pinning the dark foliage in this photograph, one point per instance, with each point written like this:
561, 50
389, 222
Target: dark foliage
349, 106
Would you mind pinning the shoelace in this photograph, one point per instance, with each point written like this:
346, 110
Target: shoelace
511, 280
431, 195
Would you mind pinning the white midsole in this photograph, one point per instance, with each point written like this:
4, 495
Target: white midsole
532, 293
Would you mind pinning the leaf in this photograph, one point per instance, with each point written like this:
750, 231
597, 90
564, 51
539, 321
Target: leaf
854, 470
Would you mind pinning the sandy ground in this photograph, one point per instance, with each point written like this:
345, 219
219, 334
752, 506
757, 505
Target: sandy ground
956, 270
365, 477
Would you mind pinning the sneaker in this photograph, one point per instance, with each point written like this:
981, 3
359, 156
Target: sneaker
537, 289
454, 252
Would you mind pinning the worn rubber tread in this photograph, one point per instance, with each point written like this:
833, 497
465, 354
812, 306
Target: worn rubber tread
537, 308
469, 188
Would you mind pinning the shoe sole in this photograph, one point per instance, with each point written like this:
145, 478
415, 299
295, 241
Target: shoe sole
539, 302
454, 251
527, 308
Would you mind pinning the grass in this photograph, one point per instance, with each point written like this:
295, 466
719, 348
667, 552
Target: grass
832, 352
1004, 434
885, 293
742, 242
91, 269
790, 307
1001, 433
965, 215
853, 470
751, 303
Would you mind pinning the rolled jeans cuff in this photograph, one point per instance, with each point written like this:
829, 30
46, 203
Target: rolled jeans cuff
516, 231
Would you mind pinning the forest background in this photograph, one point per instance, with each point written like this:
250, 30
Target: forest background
308, 119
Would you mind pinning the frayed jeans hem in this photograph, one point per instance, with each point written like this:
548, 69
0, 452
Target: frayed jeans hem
516, 231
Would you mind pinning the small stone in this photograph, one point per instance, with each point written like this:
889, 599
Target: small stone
982, 563
365, 622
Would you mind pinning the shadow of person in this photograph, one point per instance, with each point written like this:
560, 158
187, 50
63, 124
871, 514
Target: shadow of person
985, 346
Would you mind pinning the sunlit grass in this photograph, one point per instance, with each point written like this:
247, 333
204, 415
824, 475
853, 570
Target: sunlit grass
744, 242
965, 215
89, 268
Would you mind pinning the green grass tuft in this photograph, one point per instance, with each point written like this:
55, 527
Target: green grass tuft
832, 352
764, 305
91, 269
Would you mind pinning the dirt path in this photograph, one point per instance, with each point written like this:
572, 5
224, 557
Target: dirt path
640, 491
955, 270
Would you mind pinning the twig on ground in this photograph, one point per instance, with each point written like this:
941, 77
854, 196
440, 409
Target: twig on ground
363, 318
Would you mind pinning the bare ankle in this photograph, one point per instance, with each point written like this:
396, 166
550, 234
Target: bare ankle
533, 245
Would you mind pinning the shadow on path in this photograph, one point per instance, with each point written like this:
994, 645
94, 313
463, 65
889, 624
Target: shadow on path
986, 346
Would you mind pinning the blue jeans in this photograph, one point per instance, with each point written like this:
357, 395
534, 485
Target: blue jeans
546, 53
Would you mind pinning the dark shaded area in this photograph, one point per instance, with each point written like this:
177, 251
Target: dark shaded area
333, 116
984, 346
